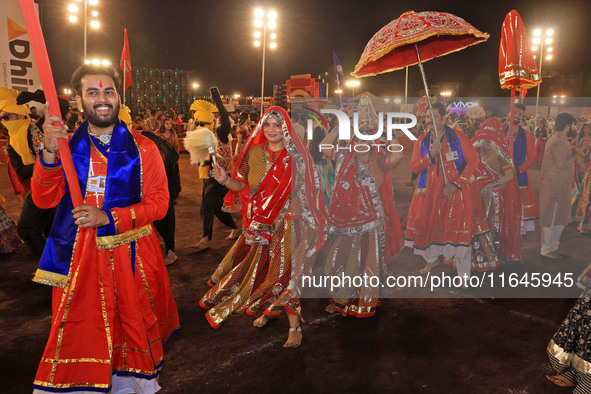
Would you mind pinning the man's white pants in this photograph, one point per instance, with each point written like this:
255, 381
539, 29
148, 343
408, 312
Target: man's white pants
551, 235
463, 264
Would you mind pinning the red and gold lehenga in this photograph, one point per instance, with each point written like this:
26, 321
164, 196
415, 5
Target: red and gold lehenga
364, 229
503, 205
284, 217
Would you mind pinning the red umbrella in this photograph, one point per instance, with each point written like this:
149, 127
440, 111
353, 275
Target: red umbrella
434, 33
414, 38
518, 70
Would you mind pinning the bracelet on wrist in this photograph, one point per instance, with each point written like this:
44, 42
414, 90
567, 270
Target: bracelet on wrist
226, 181
50, 151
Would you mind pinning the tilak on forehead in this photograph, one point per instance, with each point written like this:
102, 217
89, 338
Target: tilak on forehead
100, 83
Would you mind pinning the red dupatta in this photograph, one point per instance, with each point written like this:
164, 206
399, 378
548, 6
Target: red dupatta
262, 206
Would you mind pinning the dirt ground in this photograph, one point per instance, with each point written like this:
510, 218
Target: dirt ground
410, 346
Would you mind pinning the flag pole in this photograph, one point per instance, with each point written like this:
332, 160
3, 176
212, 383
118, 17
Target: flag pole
124, 86
46, 76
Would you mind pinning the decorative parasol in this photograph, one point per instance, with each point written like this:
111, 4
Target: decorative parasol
434, 33
414, 38
518, 70
517, 67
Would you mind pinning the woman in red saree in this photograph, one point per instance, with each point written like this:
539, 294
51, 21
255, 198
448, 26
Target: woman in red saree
496, 178
276, 189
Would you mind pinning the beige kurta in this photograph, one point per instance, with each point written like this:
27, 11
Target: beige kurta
556, 182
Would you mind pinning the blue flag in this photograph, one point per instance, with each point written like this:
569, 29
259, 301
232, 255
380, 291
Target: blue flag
339, 76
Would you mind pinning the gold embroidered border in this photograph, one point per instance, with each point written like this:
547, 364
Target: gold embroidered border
169, 319
123, 338
147, 287
51, 168
97, 151
76, 360
565, 358
68, 385
104, 312
127, 348
361, 310
45, 183
115, 220
138, 371
141, 173
51, 278
132, 211
113, 241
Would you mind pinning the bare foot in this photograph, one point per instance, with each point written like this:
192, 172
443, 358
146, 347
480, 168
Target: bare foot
295, 337
233, 235
330, 309
201, 245
428, 267
552, 255
261, 321
560, 380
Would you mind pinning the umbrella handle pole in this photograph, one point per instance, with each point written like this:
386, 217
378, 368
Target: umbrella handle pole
430, 109
512, 112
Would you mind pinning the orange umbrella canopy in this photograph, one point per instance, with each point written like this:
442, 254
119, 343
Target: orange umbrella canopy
517, 67
435, 34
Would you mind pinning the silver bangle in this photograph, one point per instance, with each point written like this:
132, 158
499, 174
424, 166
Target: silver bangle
226, 181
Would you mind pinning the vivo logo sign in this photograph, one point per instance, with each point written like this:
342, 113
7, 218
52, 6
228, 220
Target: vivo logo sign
345, 125
461, 104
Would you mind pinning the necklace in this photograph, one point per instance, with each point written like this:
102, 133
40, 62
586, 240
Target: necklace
103, 139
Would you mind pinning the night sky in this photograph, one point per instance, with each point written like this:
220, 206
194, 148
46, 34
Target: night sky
215, 39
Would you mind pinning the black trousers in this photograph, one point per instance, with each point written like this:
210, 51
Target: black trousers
211, 205
34, 225
166, 227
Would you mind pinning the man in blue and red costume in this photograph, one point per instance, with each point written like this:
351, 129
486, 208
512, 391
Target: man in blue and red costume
444, 216
523, 148
113, 308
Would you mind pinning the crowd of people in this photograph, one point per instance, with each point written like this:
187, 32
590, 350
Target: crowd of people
473, 200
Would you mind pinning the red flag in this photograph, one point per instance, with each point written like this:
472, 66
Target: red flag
44, 67
126, 63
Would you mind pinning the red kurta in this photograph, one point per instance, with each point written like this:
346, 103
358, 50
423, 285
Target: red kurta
435, 224
109, 319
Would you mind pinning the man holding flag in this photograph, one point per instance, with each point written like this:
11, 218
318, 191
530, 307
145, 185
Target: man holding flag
125, 64
113, 308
